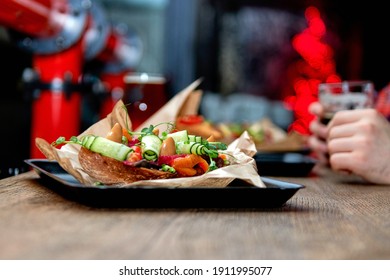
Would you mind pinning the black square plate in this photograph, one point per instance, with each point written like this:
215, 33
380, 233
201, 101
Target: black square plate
237, 195
284, 164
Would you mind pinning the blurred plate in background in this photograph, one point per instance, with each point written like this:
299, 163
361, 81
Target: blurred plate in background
284, 164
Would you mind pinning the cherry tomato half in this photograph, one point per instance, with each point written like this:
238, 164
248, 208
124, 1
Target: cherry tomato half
190, 119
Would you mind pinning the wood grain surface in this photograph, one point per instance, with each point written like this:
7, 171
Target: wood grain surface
331, 218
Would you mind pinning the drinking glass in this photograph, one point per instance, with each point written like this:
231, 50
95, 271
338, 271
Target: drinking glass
345, 95
145, 95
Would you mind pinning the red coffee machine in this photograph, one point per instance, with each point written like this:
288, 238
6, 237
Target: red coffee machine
62, 35
52, 30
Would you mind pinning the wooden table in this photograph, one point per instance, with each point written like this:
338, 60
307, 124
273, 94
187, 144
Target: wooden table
328, 219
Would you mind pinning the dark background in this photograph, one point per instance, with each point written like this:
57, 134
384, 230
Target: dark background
361, 29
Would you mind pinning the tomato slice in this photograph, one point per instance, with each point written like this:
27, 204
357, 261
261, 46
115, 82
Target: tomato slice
190, 119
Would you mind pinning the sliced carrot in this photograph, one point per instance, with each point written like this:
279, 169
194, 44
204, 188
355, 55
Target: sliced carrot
203, 164
186, 171
126, 133
188, 165
187, 161
222, 156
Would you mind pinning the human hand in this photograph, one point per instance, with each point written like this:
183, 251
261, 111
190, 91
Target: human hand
317, 140
358, 141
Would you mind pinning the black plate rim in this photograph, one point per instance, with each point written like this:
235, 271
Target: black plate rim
268, 181
279, 190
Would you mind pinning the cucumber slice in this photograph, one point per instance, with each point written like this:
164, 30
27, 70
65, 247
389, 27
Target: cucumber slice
179, 136
200, 150
151, 145
108, 148
190, 148
89, 140
191, 138
195, 138
183, 148
85, 139
194, 148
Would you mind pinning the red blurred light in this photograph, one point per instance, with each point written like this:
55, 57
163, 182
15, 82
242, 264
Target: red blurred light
311, 12
333, 79
317, 65
317, 27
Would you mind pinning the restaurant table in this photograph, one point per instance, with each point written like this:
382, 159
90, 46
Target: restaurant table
330, 218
